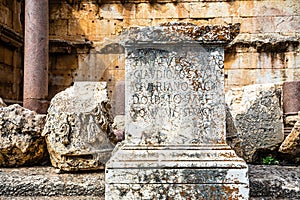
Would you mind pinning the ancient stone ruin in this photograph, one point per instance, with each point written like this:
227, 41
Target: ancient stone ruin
21, 142
257, 118
48, 45
175, 143
78, 127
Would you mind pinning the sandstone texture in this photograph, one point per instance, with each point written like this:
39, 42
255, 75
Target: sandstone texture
21, 142
78, 127
291, 144
265, 51
256, 114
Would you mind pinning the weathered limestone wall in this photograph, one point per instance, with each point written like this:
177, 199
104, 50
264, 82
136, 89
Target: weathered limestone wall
11, 38
84, 37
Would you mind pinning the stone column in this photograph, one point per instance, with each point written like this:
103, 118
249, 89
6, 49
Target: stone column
36, 55
175, 146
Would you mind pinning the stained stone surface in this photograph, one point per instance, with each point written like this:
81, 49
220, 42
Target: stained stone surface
44, 183
78, 128
21, 142
291, 144
268, 182
175, 144
256, 113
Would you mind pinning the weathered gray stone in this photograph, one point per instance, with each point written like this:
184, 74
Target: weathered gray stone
175, 145
291, 144
2, 104
256, 112
43, 181
78, 128
273, 182
21, 142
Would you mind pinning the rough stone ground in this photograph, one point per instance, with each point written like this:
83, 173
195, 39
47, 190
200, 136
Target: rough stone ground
268, 182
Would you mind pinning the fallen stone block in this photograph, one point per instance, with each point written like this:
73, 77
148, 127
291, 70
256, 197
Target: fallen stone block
21, 142
256, 115
78, 127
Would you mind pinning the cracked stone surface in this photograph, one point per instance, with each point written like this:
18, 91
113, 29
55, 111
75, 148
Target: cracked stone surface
78, 127
255, 117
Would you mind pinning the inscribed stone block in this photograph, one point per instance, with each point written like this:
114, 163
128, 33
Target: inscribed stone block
175, 118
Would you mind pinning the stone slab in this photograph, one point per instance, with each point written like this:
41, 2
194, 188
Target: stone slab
267, 182
144, 173
45, 182
177, 191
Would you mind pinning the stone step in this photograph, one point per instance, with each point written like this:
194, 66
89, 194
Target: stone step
273, 182
44, 181
51, 198
28, 183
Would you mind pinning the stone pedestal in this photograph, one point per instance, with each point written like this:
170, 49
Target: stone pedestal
175, 145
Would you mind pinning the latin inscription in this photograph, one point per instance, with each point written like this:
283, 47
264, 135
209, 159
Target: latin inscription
174, 92
168, 84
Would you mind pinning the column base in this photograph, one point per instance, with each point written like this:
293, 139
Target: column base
37, 105
176, 172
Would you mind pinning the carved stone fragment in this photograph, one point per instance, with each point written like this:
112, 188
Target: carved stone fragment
78, 128
21, 142
256, 112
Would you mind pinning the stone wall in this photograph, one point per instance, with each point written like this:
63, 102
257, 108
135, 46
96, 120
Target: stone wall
88, 34
85, 39
11, 42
